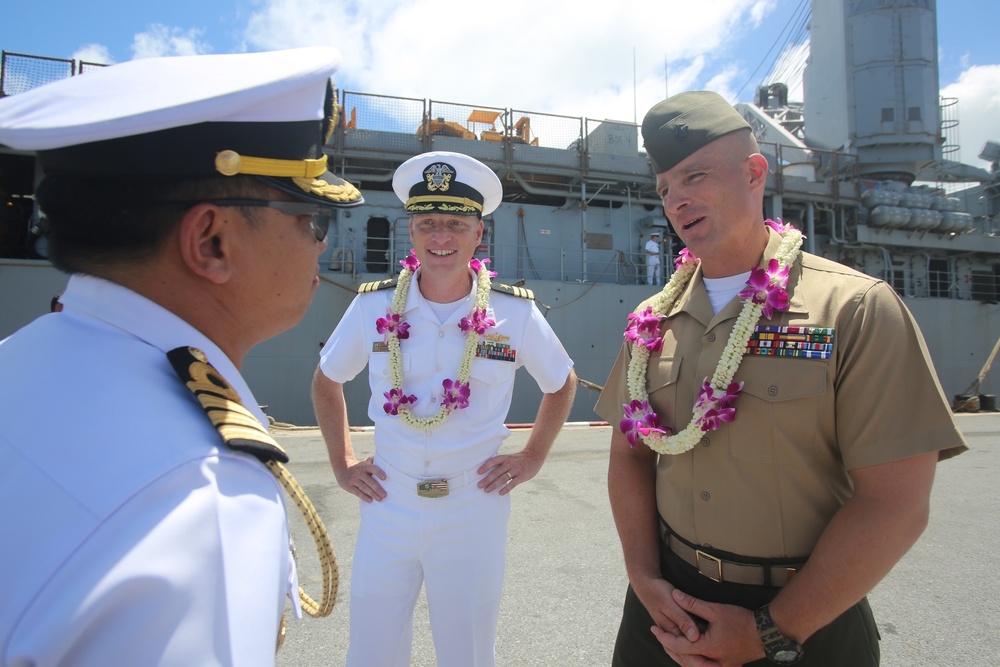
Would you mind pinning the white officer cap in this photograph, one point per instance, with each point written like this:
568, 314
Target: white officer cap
446, 182
261, 114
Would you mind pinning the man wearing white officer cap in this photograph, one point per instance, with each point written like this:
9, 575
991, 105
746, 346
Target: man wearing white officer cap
442, 343
182, 196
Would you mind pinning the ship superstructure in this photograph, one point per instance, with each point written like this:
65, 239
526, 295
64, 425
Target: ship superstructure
862, 167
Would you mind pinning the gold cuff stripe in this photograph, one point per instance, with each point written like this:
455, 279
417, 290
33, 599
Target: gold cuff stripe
462, 201
230, 163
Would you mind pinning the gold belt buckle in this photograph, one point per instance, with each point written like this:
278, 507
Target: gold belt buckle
432, 488
699, 555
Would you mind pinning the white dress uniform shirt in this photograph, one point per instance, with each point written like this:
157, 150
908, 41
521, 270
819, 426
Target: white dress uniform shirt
131, 535
652, 262
432, 354
456, 545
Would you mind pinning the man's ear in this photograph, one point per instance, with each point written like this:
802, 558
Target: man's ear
206, 241
758, 170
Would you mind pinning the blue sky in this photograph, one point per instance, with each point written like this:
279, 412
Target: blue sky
541, 55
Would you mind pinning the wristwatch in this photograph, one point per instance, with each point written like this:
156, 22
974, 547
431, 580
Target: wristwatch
779, 649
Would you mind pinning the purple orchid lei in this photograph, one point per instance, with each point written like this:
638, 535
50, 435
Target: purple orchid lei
765, 293
455, 393
640, 420
393, 325
395, 399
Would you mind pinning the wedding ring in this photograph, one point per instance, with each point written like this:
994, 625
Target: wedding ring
510, 478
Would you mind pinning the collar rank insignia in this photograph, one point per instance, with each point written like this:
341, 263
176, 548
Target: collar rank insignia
439, 176
239, 429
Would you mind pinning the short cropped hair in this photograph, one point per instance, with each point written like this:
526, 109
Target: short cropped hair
94, 223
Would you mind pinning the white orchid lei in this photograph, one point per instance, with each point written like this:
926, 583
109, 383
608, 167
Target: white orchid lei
456, 392
764, 293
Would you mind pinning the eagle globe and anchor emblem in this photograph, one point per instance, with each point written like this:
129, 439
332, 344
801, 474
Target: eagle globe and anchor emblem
439, 176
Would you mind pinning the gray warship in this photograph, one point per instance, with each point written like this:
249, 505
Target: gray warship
861, 166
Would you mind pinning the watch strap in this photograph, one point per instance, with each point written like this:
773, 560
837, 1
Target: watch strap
778, 648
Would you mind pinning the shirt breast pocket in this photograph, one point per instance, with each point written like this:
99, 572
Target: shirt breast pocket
777, 415
661, 381
489, 382
379, 366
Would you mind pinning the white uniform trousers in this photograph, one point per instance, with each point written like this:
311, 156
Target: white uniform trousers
455, 545
652, 272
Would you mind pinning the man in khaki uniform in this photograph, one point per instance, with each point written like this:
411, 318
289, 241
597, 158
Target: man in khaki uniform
753, 533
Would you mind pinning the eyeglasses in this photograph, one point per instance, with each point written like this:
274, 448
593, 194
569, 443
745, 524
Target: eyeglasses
319, 227
314, 211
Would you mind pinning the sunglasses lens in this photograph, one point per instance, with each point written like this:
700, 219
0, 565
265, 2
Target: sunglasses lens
320, 225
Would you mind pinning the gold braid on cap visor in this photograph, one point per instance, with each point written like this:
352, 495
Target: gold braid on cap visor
342, 192
230, 163
442, 203
302, 172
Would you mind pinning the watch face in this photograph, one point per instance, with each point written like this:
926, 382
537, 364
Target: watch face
786, 657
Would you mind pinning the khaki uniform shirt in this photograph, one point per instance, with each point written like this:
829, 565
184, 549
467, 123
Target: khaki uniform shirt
767, 484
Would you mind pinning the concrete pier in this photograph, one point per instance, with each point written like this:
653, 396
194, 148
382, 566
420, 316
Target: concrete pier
565, 578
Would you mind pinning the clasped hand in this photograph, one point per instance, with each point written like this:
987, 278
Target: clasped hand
728, 637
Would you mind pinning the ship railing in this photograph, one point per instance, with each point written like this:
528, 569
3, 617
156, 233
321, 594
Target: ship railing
548, 154
545, 153
380, 127
368, 258
20, 72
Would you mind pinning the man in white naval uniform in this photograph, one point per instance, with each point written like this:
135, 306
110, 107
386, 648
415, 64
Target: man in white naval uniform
435, 497
653, 259
131, 534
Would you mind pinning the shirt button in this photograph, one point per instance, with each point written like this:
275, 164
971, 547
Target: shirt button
434, 399
440, 368
772, 390
441, 333
705, 495
711, 337
705, 441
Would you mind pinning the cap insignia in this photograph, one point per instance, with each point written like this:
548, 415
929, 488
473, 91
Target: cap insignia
439, 176
680, 131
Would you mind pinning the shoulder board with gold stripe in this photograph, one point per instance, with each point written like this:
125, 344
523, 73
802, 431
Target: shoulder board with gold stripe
522, 292
239, 429
377, 285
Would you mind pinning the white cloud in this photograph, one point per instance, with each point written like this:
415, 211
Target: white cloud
161, 40
544, 56
978, 94
94, 53
552, 57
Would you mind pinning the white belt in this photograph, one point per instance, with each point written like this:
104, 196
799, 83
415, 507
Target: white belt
430, 487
